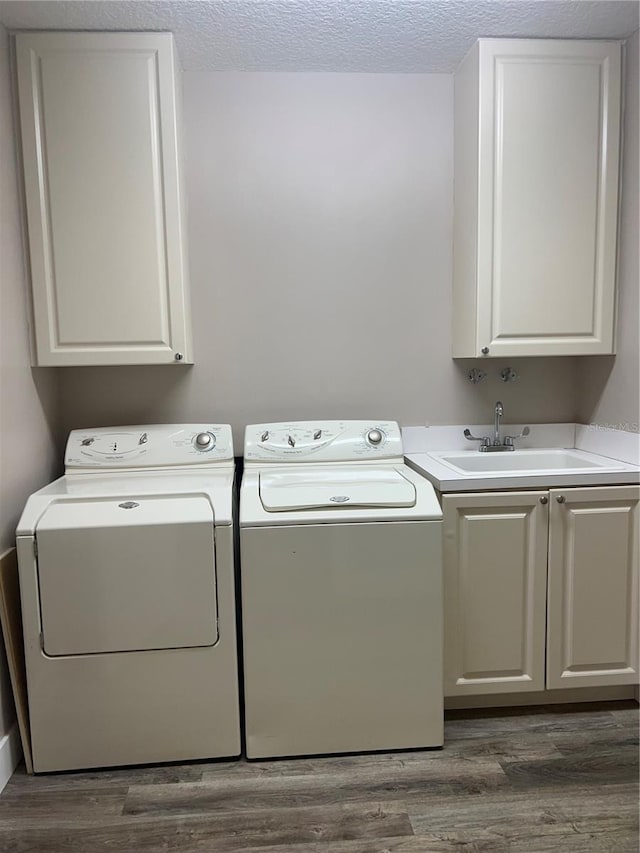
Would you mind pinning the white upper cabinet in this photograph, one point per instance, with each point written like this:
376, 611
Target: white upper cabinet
100, 141
537, 134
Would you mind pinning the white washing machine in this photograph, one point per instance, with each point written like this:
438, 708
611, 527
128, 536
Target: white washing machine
341, 578
127, 583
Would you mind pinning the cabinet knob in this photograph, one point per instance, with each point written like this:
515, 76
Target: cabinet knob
485, 350
178, 356
544, 500
561, 499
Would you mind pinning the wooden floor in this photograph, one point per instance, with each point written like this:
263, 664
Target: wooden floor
561, 779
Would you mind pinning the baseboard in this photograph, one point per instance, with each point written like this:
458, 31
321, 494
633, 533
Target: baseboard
543, 697
10, 754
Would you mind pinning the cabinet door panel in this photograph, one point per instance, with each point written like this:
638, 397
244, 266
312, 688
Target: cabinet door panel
495, 557
101, 176
548, 196
105, 290
593, 587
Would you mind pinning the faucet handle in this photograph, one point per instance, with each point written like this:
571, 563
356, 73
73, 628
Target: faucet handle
509, 439
485, 441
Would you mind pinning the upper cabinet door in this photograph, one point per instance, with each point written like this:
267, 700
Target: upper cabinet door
536, 198
100, 145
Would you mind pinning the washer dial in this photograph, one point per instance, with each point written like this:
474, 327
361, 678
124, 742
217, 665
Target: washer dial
375, 436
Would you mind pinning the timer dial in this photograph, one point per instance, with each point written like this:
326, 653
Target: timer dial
375, 436
204, 441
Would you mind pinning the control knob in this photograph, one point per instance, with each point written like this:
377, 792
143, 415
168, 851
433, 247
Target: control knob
204, 441
375, 436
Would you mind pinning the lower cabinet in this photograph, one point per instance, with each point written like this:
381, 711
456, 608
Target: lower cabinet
541, 589
592, 621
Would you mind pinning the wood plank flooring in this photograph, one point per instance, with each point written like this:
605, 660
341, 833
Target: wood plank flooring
556, 778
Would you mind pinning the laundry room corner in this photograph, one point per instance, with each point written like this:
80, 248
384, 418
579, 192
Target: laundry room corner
29, 407
319, 426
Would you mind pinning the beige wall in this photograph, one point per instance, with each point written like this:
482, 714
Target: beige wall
320, 210
609, 388
28, 399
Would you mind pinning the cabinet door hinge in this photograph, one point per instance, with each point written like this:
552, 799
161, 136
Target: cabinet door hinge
35, 547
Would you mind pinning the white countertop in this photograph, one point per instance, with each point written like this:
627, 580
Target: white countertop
615, 453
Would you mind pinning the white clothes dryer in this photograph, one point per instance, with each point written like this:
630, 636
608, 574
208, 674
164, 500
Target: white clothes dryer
341, 580
126, 570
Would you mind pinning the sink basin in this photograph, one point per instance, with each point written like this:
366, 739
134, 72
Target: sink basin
543, 461
468, 470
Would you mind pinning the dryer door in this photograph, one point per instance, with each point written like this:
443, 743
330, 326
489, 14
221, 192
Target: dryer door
127, 574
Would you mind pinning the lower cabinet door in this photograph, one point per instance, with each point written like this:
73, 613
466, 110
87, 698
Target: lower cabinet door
495, 579
593, 587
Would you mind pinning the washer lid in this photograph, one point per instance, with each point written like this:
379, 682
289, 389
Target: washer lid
344, 487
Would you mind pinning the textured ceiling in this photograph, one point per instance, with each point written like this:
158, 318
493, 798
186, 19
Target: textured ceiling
330, 35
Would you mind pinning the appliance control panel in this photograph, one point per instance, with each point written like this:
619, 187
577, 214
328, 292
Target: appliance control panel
156, 446
322, 441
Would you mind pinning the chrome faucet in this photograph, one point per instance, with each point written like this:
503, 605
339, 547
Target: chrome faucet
498, 412
486, 445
